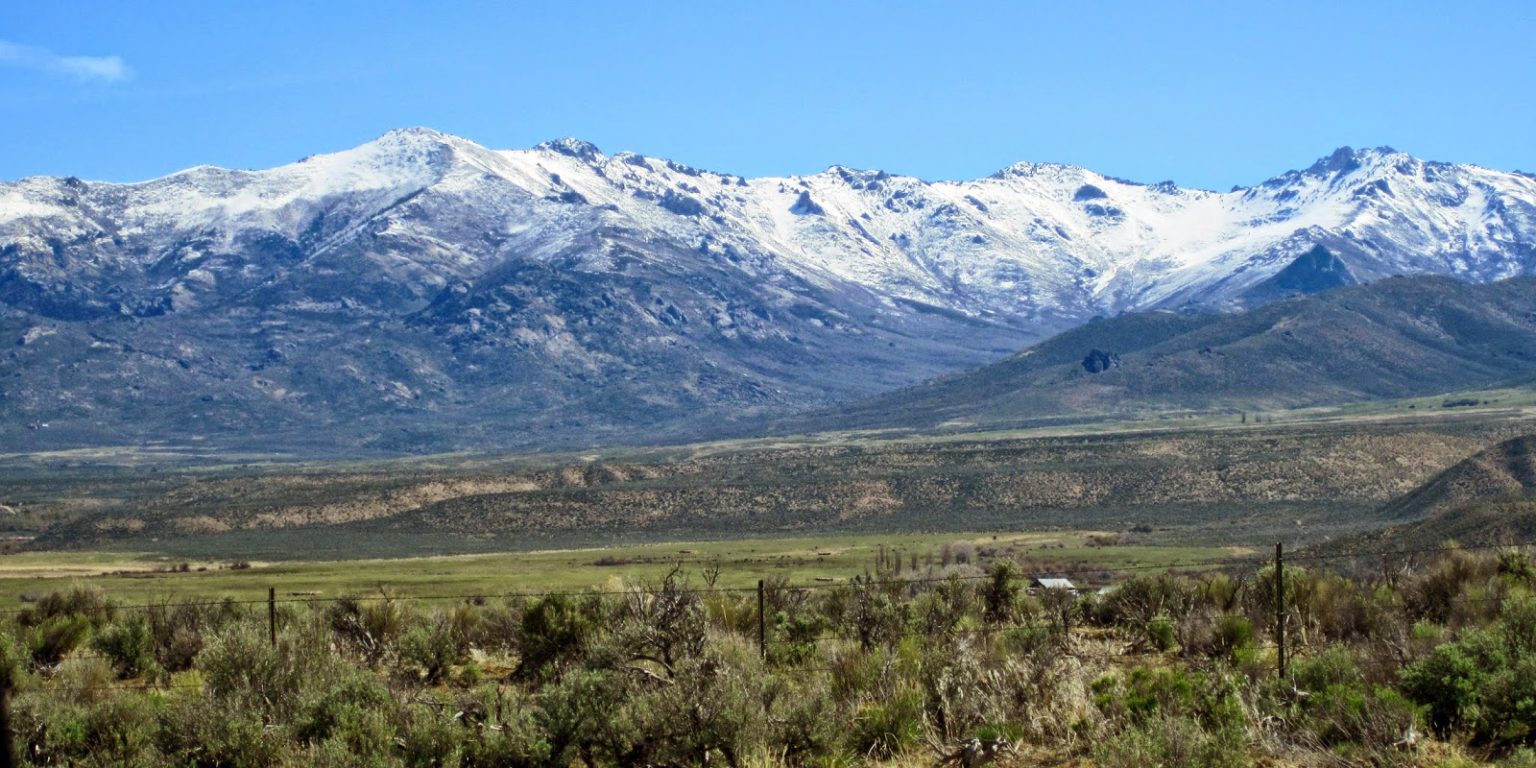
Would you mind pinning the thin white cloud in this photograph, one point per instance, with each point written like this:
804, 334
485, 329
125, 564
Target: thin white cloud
105, 69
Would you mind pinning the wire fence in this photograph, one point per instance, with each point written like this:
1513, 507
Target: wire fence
912, 582
1080, 570
885, 581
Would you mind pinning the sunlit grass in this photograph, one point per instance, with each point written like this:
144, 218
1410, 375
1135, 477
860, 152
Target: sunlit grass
809, 560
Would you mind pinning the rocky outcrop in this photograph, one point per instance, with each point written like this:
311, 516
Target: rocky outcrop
1099, 361
805, 206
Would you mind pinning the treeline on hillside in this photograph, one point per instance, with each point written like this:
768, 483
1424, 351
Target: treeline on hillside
1433, 665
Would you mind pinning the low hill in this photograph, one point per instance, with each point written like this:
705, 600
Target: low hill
1506, 470
1301, 482
1399, 337
1486, 522
1488, 498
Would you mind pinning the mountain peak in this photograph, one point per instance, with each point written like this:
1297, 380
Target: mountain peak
1029, 169
1315, 271
415, 138
571, 146
414, 132
1346, 159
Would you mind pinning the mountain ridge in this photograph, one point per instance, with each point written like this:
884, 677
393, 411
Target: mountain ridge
958, 272
1400, 337
1340, 158
506, 296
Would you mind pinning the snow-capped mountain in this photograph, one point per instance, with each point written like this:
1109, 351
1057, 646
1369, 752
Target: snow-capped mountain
543, 293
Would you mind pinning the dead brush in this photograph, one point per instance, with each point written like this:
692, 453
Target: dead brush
971, 753
369, 626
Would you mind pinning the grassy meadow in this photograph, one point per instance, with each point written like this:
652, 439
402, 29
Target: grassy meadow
812, 559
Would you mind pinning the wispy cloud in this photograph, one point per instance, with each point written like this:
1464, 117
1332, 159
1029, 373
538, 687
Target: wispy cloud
103, 69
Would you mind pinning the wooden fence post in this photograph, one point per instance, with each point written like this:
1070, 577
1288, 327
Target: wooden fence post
7, 744
1280, 609
762, 620
272, 614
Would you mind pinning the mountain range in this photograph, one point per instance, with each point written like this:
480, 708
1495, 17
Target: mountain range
1401, 337
424, 293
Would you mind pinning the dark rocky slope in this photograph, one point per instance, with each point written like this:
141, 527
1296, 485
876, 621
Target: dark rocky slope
1398, 337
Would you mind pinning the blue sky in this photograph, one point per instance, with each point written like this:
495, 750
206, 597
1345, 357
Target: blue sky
1206, 94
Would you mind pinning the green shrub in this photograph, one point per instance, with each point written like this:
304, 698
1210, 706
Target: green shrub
804, 724
432, 739
434, 649
856, 674
1373, 718
1520, 758
12, 662
195, 730
1482, 685
49, 730
874, 619
1162, 634
1337, 708
1030, 640
1434, 591
1232, 638
1000, 592
470, 674
1171, 741
242, 667
567, 711
178, 649
1517, 623
54, 637
1334, 666
703, 713
1140, 599
1448, 684
82, 679
129, 646
86, 603
498, 625
887, 728
554, 631
1507, 715
1152, 692
116, 730
120, 730
793, 637
356, 712
1516, 566
502, 731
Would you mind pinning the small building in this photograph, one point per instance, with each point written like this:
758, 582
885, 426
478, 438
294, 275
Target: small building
1066, 584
